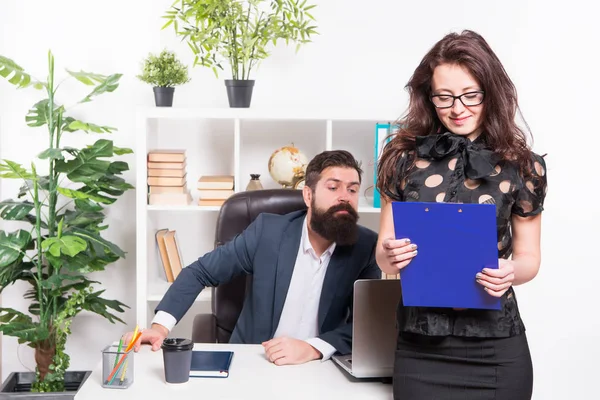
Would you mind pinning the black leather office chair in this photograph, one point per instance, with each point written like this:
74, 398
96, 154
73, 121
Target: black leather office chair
236, 214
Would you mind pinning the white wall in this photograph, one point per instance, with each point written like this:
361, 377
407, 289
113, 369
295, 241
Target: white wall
362, 58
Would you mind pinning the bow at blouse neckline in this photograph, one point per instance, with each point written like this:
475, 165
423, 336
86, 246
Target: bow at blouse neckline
479, 162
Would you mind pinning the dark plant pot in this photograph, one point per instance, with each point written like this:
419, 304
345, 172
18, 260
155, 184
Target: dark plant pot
18, 386
239, 92
163, 96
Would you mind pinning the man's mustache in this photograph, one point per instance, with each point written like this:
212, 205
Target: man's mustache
343, 207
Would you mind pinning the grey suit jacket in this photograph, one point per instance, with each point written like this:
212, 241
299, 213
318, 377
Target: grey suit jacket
268, 249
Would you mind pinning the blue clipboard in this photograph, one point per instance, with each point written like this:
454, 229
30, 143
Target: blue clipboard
455, 242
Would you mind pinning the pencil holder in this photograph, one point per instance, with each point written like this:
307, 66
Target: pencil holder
117, 368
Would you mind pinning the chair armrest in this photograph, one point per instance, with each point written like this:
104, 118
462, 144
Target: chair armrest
204, 329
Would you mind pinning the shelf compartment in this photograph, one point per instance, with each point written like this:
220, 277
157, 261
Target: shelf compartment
157, 289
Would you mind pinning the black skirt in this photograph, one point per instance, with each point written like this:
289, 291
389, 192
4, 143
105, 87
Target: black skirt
461, 368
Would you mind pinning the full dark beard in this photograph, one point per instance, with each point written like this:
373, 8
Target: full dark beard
341, 229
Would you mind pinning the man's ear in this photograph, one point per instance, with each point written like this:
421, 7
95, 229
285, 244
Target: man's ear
307, 195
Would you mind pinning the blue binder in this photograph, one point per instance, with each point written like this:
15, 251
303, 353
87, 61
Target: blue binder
455, 242
382, 131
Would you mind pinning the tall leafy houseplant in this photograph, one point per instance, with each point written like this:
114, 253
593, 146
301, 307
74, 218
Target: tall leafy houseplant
64, 206
164, 71
239, 32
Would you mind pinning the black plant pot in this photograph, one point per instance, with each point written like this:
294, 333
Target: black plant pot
163, 96
18, 386
239, 92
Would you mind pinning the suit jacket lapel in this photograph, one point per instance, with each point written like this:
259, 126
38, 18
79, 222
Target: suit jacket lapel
288, 252
338, 262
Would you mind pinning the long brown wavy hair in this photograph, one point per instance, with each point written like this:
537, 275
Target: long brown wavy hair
500, 131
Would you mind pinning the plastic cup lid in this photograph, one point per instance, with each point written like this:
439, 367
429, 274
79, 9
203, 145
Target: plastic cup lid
177, 344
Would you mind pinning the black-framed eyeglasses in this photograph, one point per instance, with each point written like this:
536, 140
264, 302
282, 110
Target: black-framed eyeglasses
468, 99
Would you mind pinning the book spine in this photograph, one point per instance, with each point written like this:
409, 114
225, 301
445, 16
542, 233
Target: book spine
381, 133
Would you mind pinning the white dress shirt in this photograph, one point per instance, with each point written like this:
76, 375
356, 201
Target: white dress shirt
299, 318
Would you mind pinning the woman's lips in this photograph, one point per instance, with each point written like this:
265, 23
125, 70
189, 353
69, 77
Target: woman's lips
460, 121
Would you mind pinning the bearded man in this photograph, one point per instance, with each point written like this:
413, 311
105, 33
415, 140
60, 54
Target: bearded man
329, 252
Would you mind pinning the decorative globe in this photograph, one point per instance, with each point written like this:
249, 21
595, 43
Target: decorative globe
287, 165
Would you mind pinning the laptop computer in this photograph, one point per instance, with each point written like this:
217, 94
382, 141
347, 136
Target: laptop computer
374, 331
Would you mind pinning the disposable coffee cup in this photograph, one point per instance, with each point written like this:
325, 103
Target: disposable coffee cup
177, 359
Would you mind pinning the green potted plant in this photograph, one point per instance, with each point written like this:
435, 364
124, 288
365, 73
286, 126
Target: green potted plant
164, 72
239, 33
60, 211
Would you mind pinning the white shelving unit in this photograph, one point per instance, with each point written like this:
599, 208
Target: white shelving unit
236, 142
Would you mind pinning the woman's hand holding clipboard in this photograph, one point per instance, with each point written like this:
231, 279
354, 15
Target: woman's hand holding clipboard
400, 252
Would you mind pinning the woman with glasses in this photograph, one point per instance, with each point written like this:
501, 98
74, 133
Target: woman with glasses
459, 142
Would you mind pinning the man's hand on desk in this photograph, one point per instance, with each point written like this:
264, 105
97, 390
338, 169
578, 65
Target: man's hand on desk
153, 336
287, 351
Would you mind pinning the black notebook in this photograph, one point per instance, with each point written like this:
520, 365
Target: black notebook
210, 364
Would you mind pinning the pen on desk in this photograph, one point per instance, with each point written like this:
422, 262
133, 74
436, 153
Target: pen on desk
110, 381
118, 352
117, 355
133, 340
135, 331
124, 371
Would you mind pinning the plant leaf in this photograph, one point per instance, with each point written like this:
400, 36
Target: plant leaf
113, 186
15, 323
13, 246
33, 219
39, 115
88, 206
102, 148
66, 121
15, 210
67, 244
119, 151
87, 78
86, 167
82, 218
100, 306
12, 170
28, 186
117, 167
18, 77
51, 153
88, 127
107, 85
77, 194
81, 170
93, 238
55, 282
84, 262
169, 22
78, 285
19, 270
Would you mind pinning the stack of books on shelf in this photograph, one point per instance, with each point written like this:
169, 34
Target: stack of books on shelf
167, 178
170, 254
214, 189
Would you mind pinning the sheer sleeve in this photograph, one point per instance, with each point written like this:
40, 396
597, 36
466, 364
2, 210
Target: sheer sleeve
530, 196
398, 180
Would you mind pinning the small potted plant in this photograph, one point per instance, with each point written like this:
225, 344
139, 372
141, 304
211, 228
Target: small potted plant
239, 33
164, 72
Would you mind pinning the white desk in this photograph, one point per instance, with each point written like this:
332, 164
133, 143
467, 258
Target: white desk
251, 377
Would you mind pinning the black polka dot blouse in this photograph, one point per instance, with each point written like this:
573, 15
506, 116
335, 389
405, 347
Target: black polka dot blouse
451, 168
